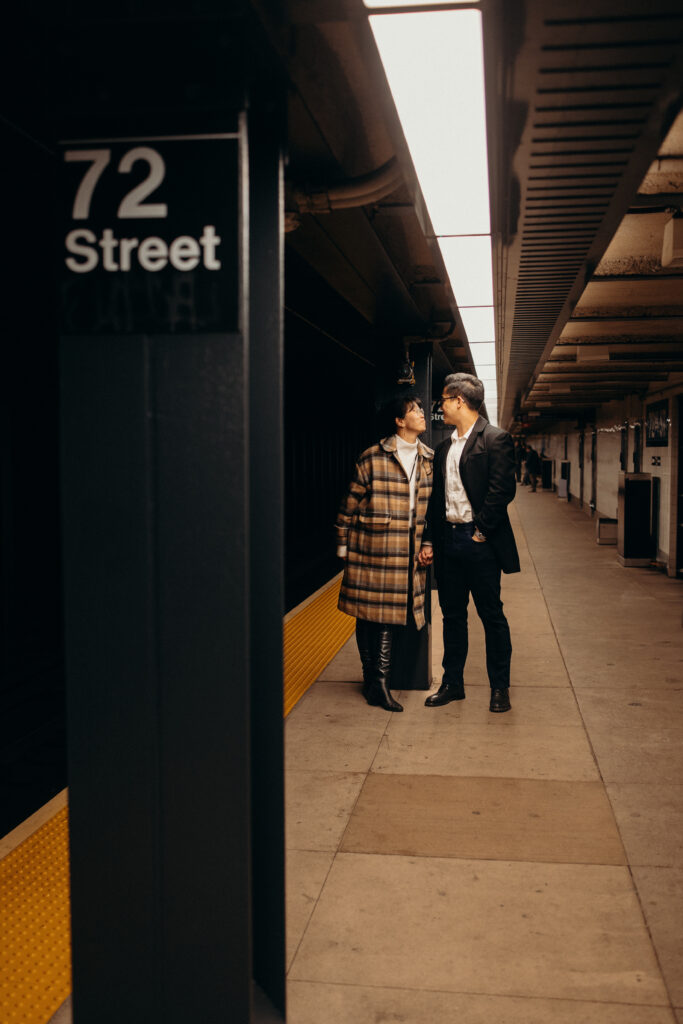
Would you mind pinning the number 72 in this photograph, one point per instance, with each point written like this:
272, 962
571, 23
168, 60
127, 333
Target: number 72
131, 206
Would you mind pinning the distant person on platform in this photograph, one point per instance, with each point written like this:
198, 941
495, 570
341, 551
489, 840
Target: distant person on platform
519, 459
379, 530
533, 466
472, 539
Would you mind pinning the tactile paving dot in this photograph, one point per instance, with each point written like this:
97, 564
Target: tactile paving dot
35, 936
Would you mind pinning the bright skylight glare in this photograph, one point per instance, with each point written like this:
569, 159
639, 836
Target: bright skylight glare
410, 3
468, 262
435, 69
483, 350
478, 322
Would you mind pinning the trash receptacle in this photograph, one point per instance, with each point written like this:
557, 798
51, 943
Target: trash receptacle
634, 530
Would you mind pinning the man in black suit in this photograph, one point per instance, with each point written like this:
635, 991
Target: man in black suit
469, 537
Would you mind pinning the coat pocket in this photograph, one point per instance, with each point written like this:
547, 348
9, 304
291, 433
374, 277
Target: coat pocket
373, 534
374, 522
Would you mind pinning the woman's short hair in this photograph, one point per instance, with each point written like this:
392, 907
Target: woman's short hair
470, 389
396, 409
404, 404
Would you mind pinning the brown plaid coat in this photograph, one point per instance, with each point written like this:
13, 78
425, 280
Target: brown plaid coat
373, 524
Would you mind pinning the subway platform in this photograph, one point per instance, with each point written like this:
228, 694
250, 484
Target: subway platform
453, 865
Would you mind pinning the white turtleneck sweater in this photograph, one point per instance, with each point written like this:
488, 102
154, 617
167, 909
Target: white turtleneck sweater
407, 456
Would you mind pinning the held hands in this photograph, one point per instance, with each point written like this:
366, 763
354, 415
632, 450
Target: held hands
425, 555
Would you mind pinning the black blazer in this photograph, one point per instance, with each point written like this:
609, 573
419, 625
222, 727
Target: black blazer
487, 469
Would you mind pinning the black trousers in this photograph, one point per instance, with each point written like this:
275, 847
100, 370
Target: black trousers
469, 567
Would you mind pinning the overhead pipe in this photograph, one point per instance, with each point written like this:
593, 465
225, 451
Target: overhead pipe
368, 188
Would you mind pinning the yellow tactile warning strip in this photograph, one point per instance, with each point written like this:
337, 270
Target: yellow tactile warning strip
312, 637
35, 949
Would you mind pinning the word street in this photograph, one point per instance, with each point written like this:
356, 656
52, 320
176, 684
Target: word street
152, 253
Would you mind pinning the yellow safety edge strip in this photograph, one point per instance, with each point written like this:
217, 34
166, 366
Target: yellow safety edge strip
311, 640
35, 934
35, 943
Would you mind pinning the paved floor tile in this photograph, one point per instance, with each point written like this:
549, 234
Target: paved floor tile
650, 820
318, 806
314, 1003
661, 895
315, 743
492, 819
502, 745
335, 701
305, 876
533, 668
551, 930
631, 663
636, 733
345, 665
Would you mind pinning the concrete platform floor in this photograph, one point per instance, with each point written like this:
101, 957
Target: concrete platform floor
453, 865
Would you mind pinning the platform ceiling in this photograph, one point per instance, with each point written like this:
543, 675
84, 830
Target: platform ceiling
585, 133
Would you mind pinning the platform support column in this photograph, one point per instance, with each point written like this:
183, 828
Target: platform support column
171, 427
412, 662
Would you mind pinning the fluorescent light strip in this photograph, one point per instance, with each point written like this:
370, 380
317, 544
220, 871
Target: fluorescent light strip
479, 323
435, 68
415, 3
468, 262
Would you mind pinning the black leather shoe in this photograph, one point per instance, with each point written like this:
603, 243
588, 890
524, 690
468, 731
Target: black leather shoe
500, 700
444, 695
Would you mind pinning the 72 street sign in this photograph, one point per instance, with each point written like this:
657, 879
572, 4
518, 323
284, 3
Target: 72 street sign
151, 241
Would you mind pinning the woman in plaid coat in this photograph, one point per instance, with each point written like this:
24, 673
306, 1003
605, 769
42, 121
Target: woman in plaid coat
379, 529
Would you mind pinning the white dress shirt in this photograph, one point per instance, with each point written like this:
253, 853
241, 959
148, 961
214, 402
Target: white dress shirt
458, 508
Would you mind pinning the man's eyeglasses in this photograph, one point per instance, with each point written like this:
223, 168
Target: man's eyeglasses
447, 398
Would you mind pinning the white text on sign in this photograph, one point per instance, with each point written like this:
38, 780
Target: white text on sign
115, 254
153, 253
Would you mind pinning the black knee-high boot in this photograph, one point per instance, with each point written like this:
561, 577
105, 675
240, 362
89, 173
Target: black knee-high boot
378, 692
364, 641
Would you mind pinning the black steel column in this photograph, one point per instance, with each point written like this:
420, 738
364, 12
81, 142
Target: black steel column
266, 377
412, 660
156, 544
171, 471
422, 357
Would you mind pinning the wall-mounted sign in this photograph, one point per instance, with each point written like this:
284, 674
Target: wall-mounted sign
151, 235
657, 424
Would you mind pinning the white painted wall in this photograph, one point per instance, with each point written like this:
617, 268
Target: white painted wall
608, 423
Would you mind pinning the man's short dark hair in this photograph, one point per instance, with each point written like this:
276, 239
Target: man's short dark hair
470, 389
